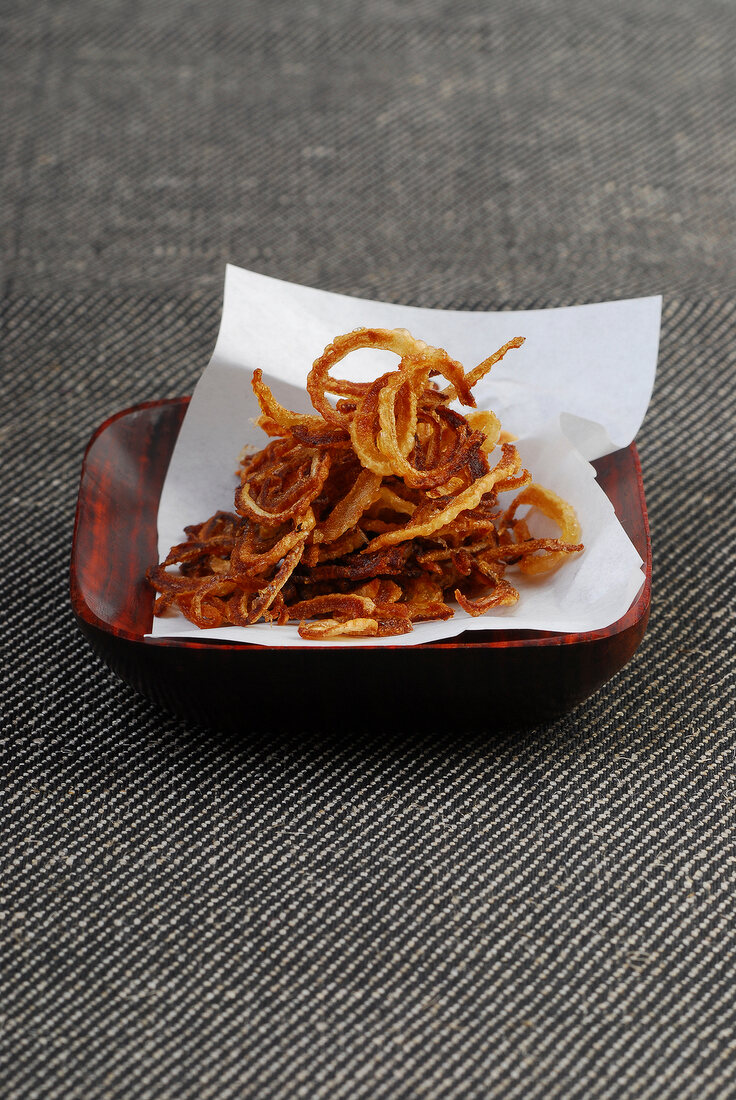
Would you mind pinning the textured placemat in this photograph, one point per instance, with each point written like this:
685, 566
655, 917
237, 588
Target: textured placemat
423, 912
452, 148
418, 913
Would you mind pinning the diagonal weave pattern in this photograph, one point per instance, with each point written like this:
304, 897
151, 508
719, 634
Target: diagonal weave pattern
426, 913
420, 913
433, 149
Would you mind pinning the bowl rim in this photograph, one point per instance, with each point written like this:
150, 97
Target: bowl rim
508, 640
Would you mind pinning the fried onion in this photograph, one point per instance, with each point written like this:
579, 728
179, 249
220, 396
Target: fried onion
364, 517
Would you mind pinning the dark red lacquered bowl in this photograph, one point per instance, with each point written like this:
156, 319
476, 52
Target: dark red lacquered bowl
481, 679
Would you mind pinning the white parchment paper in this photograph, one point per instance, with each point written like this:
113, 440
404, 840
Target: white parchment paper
576, 390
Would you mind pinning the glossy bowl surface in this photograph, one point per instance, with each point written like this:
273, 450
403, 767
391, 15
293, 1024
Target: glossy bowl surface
478, 679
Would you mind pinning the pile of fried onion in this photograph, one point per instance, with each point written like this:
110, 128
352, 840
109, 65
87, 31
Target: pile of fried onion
368, 516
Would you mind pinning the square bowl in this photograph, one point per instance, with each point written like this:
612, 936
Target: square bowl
480, 679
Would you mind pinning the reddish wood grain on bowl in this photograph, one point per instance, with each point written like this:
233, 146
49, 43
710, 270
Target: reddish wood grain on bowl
481, 678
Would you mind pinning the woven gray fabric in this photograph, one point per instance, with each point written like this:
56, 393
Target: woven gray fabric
514, 149
416, 913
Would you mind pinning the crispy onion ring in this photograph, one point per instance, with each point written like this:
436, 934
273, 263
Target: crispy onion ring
365, 517
509, 464
348, 511
563, 514
320, 382
474, 376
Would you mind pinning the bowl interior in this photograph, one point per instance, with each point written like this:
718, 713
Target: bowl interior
115, 535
